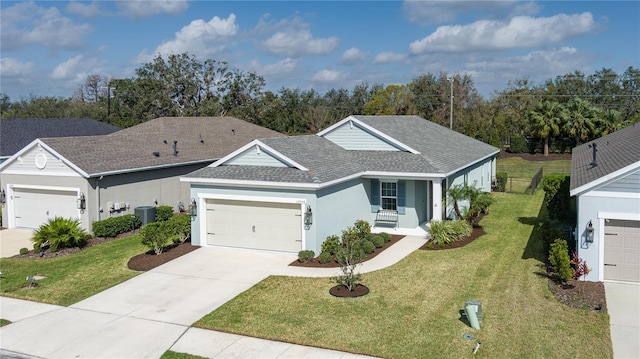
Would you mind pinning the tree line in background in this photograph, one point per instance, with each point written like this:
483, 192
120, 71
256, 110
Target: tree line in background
553, 116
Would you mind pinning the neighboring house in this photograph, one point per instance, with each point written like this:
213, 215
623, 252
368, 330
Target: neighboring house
115, 173
605, 179
290, 193
15, 133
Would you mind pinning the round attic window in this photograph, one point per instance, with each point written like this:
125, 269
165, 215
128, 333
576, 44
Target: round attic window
41, 160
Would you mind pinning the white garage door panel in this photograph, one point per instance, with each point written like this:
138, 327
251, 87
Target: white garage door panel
622, 250
258, 225
33, 207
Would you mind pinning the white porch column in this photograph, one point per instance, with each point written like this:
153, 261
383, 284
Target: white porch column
437, 201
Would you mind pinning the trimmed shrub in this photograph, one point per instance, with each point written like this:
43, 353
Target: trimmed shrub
501, 181
560, 261
447, 232
324, 257
156, 236
367, 246
60, 233
306, 255
163, 213
113, 226
377, 241
557, 198
331, 244
24, 251
386, 236
362, 229
180, 226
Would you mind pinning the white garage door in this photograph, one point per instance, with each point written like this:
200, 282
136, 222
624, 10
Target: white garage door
33, 207
257, 225
622, 250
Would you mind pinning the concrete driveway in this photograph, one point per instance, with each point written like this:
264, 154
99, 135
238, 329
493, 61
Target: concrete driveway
142, 317
623, 306
11, 240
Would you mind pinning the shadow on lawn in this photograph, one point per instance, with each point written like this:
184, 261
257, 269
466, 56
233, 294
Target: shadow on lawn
535, 247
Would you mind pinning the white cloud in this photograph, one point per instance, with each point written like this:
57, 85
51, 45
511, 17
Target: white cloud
199, 38
10, 67
27, 23
76, 69
434, 12
294, 40
354, 56
520, 31
83, 9
387, 57
280, 68
328, 76
139, 9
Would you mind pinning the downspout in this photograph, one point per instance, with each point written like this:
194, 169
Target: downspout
99, 204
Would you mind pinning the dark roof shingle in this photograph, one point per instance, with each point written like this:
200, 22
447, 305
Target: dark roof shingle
15, 133
614, 152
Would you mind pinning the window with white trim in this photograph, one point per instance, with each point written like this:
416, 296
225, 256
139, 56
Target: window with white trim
389, 195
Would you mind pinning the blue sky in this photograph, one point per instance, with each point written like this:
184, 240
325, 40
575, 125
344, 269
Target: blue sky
48, 48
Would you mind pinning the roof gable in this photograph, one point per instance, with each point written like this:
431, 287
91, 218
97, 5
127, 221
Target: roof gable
257, 153
617, 154
352, 134
38, 159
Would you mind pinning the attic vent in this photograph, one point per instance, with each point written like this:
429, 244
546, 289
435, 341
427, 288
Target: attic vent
233, 131
175, 148
157, 154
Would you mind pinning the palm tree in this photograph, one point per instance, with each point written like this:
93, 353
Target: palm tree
582, 117
546, 120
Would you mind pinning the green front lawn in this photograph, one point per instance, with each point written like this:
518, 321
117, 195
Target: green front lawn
71, 278
413, 308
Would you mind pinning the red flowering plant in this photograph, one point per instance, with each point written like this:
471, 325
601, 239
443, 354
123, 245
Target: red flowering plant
580, 268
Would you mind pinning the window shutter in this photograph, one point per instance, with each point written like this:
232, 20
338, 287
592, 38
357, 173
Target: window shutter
375, 195
401, 197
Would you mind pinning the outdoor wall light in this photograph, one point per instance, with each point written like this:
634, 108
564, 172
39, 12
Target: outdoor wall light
308, 216
193, 208
589, 232
3, 196
82, 202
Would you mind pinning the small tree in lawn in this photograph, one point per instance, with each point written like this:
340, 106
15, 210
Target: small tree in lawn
349, 256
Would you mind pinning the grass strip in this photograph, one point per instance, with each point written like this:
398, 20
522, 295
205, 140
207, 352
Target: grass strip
69, 279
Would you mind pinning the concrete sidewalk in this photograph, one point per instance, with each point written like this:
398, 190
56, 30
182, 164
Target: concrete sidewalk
11, 240
623, 302
151, 313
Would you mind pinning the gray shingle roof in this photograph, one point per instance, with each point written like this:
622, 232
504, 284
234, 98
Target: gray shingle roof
327, 161
614, 152
199, 139
445, 149
15, 133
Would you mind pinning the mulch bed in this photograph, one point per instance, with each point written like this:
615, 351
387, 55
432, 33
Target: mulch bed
341, 291
476, 233
149, 260
141, 262
313, 263
579, 294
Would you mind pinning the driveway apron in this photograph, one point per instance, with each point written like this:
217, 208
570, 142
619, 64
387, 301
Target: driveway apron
144, 316
623, 302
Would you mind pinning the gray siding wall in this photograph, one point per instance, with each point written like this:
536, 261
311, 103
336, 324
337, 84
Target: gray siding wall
597, 209
251, 157
355, 138
628, 184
